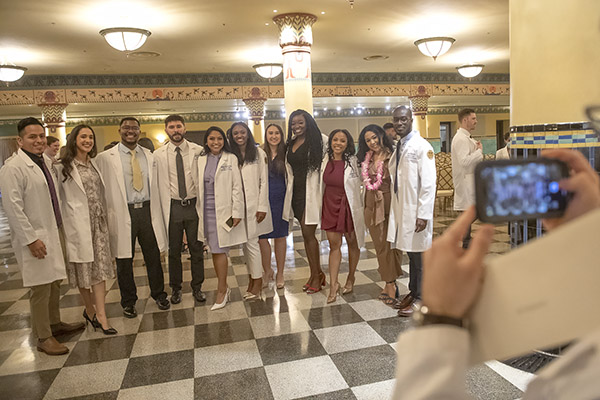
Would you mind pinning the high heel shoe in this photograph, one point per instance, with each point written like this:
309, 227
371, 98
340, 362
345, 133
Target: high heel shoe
93, 321
312, 290
218, 306
333, 294
252, 296
280, 284
109, 331
349, 286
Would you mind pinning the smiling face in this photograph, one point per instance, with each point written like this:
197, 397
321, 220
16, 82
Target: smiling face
339, 142
373, 142
402, 120
298, 125
273, 136
215, 142
175, 130
84, 141
240, 135
32, 139
130, 133
52, 150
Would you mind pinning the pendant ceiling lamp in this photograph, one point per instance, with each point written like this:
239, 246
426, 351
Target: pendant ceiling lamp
125, 39
11, 73
268, 71
434, 46
470, 70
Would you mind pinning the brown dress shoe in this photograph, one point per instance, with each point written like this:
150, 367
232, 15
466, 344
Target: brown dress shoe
51, 347
65, 327
406, 312
405, 302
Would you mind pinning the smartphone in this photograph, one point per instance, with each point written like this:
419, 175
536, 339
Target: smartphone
512, 190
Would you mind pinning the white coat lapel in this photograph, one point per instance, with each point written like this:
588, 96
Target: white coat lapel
115, 158
76, 176
36, 170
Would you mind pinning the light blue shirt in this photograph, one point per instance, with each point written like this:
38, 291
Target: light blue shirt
133, 196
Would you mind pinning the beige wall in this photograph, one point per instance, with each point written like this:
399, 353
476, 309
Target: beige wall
486, 124
554, 60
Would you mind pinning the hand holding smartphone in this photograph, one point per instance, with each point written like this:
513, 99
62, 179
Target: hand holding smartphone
511, 190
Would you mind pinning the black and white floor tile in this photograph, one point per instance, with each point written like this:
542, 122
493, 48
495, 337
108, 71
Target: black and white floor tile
288, 345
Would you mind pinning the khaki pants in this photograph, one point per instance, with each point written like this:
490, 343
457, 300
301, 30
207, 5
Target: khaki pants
388, 259
44, 302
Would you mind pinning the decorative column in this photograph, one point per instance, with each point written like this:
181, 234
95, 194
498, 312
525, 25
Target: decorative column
418, 105
256, 110
54, 116
295, 39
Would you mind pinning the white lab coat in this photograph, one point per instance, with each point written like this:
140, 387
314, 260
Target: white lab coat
314, 201
502, 154
465, 155
164, 180
255, 180
352, 187
415, 197
119, 221
76, 215
229, 200
28, 206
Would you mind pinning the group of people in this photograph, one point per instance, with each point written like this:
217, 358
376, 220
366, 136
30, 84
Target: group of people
72, 217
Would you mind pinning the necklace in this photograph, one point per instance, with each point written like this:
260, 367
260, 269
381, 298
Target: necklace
365, 173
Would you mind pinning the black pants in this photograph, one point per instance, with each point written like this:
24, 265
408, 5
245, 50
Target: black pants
141, 228
185, 218
416, 273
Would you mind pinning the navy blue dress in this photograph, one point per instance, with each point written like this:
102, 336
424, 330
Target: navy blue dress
277, 190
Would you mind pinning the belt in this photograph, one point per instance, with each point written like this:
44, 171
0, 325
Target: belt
143, 204
184, 203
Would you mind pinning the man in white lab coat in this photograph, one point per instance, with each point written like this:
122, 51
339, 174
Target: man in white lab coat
134, 211
30, 199
466, 153
177, 181
412, 169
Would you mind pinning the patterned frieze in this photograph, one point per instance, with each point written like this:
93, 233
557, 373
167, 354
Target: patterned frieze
470, 90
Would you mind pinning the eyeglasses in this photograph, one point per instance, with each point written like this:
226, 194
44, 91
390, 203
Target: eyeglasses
593, 114
130, 128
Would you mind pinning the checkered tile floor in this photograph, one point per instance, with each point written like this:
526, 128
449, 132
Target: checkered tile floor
288, 345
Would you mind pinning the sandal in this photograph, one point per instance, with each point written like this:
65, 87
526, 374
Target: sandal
312, 290
388, 301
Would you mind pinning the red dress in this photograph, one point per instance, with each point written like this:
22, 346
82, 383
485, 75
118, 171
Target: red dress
336, 215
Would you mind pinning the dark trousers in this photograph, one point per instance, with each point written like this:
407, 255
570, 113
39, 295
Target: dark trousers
141, 228
185, 218
416, 273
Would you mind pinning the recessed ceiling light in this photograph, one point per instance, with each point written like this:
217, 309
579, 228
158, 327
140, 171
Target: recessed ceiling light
274, 10
322, 12
266, 23
376, 57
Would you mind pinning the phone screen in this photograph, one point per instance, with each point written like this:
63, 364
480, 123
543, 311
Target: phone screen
508, 190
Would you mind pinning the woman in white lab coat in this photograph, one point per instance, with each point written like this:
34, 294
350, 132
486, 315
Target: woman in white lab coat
220, 205
343, 213
305, 152
85, 224
274, 148
252, 161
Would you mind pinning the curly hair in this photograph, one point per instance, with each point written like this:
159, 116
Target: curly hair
71, 150
277, 163
205, 149
313, 138
348, 151
384, 141
250, 152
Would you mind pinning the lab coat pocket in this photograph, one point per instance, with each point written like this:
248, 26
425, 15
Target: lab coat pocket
28, 258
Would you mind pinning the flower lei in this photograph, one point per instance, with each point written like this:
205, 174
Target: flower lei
365, 172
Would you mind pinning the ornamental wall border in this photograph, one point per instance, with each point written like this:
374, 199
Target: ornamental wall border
201, 93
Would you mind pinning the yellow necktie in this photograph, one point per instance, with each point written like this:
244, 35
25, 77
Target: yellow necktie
138, 183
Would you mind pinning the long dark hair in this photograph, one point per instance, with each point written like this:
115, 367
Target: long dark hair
313, 138
205, 149
277, 163
250, 153
71, 150
384, 141
348, 151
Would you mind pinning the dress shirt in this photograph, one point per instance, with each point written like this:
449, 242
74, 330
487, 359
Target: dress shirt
133, 196
189, 182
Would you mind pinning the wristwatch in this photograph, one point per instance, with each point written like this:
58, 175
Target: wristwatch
421, 317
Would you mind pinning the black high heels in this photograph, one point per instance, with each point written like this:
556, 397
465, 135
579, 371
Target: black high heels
93, 321
109, 331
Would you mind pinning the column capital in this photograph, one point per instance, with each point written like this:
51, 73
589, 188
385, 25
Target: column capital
295, 29
54, 115
419, 104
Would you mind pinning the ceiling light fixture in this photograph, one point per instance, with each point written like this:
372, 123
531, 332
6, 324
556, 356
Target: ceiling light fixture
125, 39
11, 73
268, 70
434, 46
470, 70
